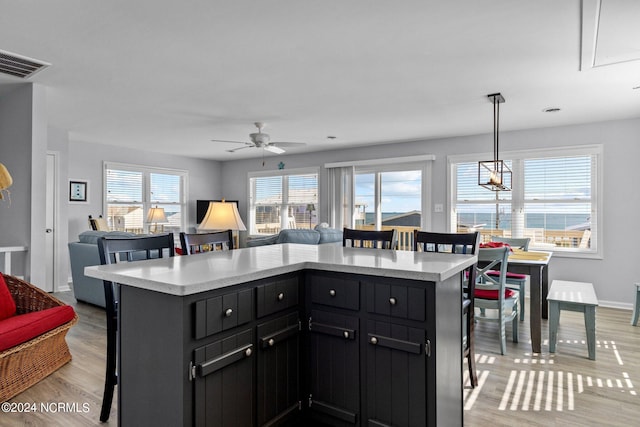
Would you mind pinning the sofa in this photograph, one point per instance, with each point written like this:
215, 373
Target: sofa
319, 235
84, 253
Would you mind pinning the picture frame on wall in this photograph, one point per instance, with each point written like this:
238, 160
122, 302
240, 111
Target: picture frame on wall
78, 191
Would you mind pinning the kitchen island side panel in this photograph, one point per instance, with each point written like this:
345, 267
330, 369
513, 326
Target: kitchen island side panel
153, 387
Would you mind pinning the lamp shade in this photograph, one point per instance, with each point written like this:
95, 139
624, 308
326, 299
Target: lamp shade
222, 216
156, 215
5, 180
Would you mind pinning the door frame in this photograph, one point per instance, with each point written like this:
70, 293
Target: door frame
55, 221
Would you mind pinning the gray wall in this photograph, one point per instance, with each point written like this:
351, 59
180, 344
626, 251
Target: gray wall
86, 163
612, 276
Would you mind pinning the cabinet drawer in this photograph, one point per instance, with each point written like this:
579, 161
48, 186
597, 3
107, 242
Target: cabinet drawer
335, 292
406, 302
276, 296
217, 314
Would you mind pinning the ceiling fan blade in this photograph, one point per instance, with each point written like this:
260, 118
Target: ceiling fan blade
274, 149
234, 142
289, 144
239, 148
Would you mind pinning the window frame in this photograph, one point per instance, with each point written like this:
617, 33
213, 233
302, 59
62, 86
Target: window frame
147, 202
285, 193
518, 201
378, 170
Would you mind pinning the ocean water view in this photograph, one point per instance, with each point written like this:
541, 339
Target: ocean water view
548, 221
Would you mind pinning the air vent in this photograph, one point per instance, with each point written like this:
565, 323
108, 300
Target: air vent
19, 66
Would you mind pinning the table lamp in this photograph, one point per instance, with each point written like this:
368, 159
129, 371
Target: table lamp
222, 216
156, 215
5, 182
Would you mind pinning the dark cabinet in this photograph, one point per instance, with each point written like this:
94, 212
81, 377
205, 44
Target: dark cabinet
334, 368
223, 383
396, 378
278, 371
304, 348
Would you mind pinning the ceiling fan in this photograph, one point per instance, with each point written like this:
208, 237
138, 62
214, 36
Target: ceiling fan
261, 140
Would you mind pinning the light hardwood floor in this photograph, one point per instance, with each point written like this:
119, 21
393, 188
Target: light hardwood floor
520, 388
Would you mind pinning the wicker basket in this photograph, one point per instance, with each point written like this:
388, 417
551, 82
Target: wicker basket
26, 364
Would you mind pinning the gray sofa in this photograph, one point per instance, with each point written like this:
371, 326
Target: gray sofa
83, 253
316, 236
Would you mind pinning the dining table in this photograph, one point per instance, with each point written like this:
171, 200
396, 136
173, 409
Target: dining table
535, 264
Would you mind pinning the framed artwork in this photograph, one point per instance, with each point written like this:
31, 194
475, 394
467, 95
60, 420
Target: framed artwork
78, 191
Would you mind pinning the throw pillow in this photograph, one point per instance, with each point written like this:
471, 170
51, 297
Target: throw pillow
7, 304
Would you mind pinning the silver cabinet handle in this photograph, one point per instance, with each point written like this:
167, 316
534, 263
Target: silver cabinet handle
332, 292
393, 301
248, 352
228, 312
346, 334
373, 340
280, 296
271, 342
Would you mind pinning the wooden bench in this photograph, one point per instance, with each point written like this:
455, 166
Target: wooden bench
572, 296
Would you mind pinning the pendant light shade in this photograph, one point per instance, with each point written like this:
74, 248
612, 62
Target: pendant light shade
494, 174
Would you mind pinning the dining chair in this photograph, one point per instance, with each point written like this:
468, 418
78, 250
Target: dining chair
203, 242
492, 295
113, 251
457, 243
514, 280
387, 239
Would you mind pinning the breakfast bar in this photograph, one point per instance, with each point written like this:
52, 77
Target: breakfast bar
284, 333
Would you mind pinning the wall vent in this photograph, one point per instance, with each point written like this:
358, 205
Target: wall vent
19, 66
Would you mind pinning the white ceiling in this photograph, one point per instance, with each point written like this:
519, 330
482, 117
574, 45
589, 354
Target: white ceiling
170, 75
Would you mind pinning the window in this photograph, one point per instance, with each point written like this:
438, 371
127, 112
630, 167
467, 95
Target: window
553, 201
130, 191
386, 200
281, 201
381, 194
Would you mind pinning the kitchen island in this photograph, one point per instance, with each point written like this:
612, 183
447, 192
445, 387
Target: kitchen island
285, 333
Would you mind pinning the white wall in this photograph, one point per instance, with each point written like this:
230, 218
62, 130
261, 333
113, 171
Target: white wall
612, 276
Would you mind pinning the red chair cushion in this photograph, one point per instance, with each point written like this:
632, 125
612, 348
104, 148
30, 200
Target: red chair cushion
492, 294
510, 275
23, 327
495, 245
7, 304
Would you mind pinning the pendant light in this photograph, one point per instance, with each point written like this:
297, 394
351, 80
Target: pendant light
494, 174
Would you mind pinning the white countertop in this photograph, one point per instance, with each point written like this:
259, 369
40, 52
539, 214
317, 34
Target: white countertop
187, 275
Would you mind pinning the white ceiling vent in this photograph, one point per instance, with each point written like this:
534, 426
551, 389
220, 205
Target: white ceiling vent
19, 66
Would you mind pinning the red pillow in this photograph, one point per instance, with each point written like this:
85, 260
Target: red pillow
7, 304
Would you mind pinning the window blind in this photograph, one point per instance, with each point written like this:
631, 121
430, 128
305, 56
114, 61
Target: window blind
124, 186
